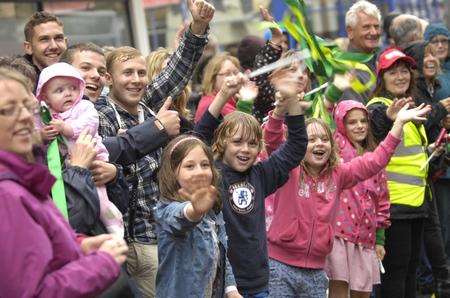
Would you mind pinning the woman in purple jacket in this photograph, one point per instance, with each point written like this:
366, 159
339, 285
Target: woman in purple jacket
39, 254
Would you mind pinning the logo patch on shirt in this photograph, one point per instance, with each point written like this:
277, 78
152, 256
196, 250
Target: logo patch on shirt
242, 197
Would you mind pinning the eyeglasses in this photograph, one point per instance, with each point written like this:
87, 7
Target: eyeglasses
14, 110
441, 41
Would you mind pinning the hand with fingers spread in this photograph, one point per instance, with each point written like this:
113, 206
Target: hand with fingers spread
103, 172
202, 13
169, 119
287, 82
202, 197
83, 152
405, 115
415, 114
277, 34
397, 105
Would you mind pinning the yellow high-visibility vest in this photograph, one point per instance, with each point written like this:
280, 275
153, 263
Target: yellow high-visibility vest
406, 180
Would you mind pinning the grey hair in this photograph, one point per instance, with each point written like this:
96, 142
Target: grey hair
351, 17
405, 31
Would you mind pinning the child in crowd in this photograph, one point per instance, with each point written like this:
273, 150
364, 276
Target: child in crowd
245, 184
192, 242
363, 211
302, 231
61, 87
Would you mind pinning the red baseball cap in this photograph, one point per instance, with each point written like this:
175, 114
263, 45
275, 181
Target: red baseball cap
390, 56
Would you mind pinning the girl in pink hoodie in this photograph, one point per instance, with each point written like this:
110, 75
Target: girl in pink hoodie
363, 211
301, 234
61, 87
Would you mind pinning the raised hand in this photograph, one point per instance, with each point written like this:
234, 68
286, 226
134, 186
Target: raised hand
397, 105
343, 81
202, 13
277, 34
202, 196
405, 115
414, 114
248, 91
169, 118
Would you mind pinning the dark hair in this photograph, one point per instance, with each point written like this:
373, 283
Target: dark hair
380, 90
39, 17
69, 53
248, 48
173, 155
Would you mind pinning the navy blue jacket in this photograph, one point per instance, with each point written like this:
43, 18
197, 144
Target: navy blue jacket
243, 195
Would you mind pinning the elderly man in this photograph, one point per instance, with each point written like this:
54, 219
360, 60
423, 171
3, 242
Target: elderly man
363, 30
405, 30
44, 40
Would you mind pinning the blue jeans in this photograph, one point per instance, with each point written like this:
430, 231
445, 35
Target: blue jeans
263, 294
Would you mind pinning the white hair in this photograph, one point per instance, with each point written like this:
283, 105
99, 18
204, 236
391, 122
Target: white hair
351, 17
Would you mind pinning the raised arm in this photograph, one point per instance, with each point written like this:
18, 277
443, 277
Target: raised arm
210, 120
369, 164
176, 75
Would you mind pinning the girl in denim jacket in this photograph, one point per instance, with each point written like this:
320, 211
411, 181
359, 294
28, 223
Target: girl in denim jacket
192, 241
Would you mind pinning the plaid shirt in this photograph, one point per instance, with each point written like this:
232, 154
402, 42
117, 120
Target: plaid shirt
141, 176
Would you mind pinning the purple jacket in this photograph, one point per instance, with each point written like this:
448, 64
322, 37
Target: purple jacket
39, 255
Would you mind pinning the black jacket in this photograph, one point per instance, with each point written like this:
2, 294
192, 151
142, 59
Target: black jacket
243, 195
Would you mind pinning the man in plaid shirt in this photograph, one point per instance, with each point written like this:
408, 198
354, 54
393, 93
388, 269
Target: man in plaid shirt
129, 103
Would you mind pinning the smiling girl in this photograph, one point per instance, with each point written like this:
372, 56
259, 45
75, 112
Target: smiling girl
302, 231
363, 211
192, 242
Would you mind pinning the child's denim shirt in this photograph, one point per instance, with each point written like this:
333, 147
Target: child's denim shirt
187, 253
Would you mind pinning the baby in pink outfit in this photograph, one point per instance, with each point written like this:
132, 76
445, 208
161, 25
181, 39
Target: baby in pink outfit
61, 87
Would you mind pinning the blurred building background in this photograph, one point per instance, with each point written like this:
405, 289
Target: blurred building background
148, 24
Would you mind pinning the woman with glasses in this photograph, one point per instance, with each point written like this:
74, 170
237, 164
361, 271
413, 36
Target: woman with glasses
437, 36
216, 71
40, 255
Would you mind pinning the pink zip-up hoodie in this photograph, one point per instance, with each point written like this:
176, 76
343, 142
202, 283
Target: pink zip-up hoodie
364, 207
305, 208
82, 114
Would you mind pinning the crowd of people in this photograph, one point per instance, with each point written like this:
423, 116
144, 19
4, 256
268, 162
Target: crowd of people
183, 177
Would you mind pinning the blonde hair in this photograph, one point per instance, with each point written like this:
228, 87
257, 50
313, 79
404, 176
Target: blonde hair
154, 63
121, 54
9, 74
232, 123
333, 160
212, 69
172, 157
